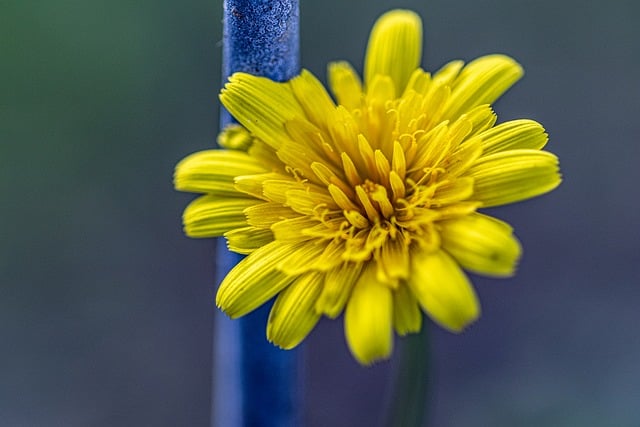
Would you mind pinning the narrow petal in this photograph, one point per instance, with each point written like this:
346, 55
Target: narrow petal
275, 189
293, 315
464, 156
407, 317
213, 171
453, 191
481, 117
345, 84
482, 81
210, 216
443, 290
292, 229
338, 284
264, 215
368, 319
307, 200
395, 47
261, 105
514, 175
254, 185
481, 244
254, 280
393, 262
247, 239
303, 259
515, 134
447, 74
312, 97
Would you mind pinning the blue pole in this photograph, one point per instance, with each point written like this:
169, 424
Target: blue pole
254, 383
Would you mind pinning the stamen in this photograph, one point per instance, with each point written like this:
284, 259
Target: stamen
398, 163
366, 154
372, 212
340, 198
379, 195
350, 170
382, 166
397, 186
356, 219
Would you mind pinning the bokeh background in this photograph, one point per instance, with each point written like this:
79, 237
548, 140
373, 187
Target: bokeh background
106, 309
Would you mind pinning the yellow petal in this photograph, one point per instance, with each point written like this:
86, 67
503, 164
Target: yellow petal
368, 319
393, 262
292, 229
254, 280
293, 316
453, 191
419, 81
235, 137
313, 98
481, 118
261, 105
247, 239
210, 216
345, 84
275, 189
482, 82
447, 74
306, 201
443, 290
254, 185
264, 215
213, 171
338, 284
395, 48
515, 134
407, 317
514, 175
303, 259
481, 244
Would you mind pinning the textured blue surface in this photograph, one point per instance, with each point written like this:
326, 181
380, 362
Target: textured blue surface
261, 38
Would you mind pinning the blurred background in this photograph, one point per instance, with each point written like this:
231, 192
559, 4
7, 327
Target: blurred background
106, 309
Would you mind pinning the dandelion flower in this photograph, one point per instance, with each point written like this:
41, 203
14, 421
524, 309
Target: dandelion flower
367, 202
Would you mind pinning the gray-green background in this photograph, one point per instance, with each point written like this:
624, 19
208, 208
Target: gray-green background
106, 309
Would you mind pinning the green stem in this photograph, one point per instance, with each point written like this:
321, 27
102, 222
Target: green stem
411, 385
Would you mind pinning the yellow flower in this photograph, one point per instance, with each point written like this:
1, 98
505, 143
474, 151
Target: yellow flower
367, 204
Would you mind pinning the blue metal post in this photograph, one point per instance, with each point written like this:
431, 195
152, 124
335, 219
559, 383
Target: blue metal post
255, 384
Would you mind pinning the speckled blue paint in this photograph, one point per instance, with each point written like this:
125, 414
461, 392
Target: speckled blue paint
259, 382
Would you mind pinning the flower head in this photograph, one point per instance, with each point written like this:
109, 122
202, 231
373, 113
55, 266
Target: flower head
367, 202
